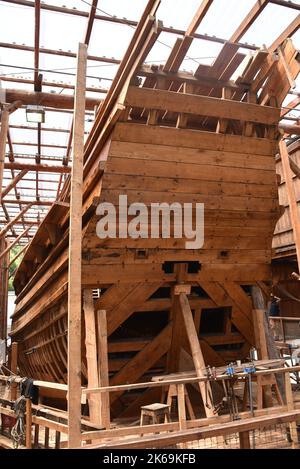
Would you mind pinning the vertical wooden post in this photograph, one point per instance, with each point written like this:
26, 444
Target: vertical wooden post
28, 423
4, 262
36, 436
181, 406
3, 138
244, 438
288, 177
74, 274
195, 347
103, 366
181, 410
91, 355
13, 367
290, 405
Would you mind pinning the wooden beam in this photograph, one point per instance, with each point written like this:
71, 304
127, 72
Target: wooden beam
3, 139
91, 19
53, 100
294, 167
210, 431
290, 106
249, 20
103, 366
14, 182
44, 168
37, 17
14, 220
200, 105
2, 254
61, 53
288, 32
52, 84
17, 255
14, 369
198, 17
91, 354
288, 177
195, 348
143, 360
74, 272
28, 203
185, 77
114, 19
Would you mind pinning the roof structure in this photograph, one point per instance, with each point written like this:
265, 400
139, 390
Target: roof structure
38, 66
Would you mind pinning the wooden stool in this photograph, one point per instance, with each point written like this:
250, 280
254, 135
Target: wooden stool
155, 413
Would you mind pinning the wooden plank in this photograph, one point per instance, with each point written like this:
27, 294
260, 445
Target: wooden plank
163, 440
185, 171
186, 138
288, 177
28, 424
288, 32
194, 346
218, 68
91, 354
198, 156
198, 17
180, 77
74, 273
15, 219
200, 105
14, 368
239, 297
15, 241
13, 183
290, 406
249, 20
103, 366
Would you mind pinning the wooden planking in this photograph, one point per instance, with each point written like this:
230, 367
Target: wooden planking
200, 105
191, 186
240, 256
189, 171
291, 197
199, 156
141, 133
209, 272
210, 201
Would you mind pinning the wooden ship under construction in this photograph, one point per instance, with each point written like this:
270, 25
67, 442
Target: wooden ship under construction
162, 135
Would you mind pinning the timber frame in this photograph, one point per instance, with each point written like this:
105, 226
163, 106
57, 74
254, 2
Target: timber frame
159, 135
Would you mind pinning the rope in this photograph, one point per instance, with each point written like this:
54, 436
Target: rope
18, 430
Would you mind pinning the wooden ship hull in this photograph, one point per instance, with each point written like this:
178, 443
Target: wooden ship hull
284, 262
190, 139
